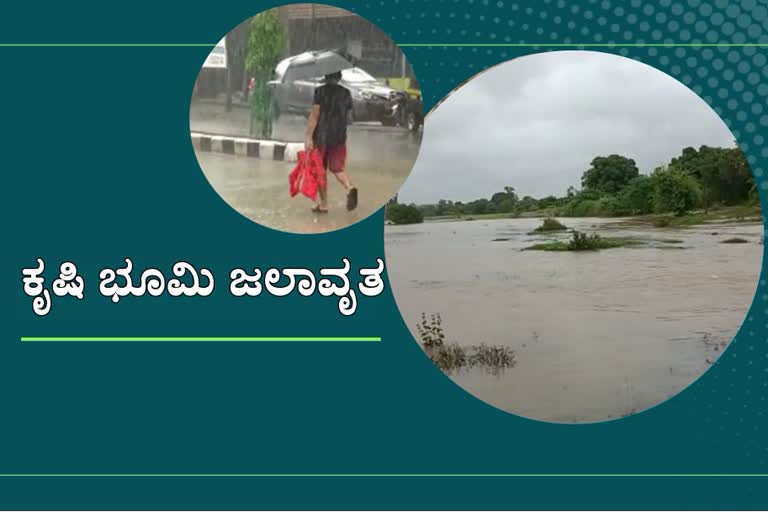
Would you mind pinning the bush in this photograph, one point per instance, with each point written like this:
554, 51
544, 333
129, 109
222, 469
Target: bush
610, 206
675, 191
606, 206
452, 356
580, 208
583, 242
431, 330
550, 224
404, 214
637, 196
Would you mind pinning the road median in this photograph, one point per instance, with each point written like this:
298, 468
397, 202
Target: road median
245, 146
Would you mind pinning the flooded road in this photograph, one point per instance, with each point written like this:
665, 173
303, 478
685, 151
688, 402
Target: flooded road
258, 189
379, 160
596, 335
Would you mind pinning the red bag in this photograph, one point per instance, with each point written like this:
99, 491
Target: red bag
308, 175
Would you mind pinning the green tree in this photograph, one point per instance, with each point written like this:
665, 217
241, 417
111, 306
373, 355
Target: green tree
508, 198
266, 44
675, 190
527, 203
498, 197
479, 206
404, 214
444, 207
637, 196
609, 174
546, 202
506, 206
723, 173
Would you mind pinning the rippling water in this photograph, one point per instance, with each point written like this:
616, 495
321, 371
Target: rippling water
597, 335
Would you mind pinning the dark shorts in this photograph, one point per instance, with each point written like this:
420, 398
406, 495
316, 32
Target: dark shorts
334, 157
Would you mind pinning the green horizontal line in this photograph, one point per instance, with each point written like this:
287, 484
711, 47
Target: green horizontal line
245, 339
391, 475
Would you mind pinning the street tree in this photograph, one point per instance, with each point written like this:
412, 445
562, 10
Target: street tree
266, 44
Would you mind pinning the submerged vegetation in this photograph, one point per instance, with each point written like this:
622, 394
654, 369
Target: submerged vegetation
583, 242
705, 179
550, 224
451, 357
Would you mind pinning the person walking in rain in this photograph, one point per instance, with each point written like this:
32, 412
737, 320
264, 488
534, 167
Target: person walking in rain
327, 131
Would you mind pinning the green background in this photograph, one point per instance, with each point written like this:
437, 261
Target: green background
98, 166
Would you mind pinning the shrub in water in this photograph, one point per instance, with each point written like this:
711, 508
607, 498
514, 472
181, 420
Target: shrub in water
583, 242
452, 356
550, 224
431, 330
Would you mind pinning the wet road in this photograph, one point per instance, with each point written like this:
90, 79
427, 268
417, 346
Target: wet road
258, 189
597, 335
378, 162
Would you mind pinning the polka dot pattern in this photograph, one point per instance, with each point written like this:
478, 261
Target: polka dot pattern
670, 35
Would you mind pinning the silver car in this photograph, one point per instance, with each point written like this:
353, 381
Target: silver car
371, 101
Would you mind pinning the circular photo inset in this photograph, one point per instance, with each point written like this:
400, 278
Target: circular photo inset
580, 239
306, 118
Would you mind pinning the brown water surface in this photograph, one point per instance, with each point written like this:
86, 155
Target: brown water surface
597, 335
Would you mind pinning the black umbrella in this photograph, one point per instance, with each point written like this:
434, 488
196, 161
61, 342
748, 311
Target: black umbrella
317, 64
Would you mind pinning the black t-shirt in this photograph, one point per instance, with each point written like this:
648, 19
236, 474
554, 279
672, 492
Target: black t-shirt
335, 103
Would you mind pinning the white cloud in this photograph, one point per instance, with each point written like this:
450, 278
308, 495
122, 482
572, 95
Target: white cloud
536, 122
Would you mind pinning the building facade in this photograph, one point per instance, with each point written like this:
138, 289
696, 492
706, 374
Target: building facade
323, 27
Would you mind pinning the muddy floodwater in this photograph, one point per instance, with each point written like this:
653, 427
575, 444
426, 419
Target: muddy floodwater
258, 189
378, 162
596, 335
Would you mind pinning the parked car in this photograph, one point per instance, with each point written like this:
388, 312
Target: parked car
371, 101
413, 113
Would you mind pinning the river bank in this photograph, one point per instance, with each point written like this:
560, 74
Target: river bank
735, 214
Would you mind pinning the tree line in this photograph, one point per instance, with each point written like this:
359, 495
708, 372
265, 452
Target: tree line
613, 186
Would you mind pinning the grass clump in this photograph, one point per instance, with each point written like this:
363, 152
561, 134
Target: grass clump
582, 242
451, 357
735, 240
548, 246
550, 224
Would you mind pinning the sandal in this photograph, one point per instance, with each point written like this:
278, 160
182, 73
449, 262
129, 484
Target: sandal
352, 199
318, 209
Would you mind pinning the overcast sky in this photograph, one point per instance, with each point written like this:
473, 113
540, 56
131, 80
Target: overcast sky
536, 122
